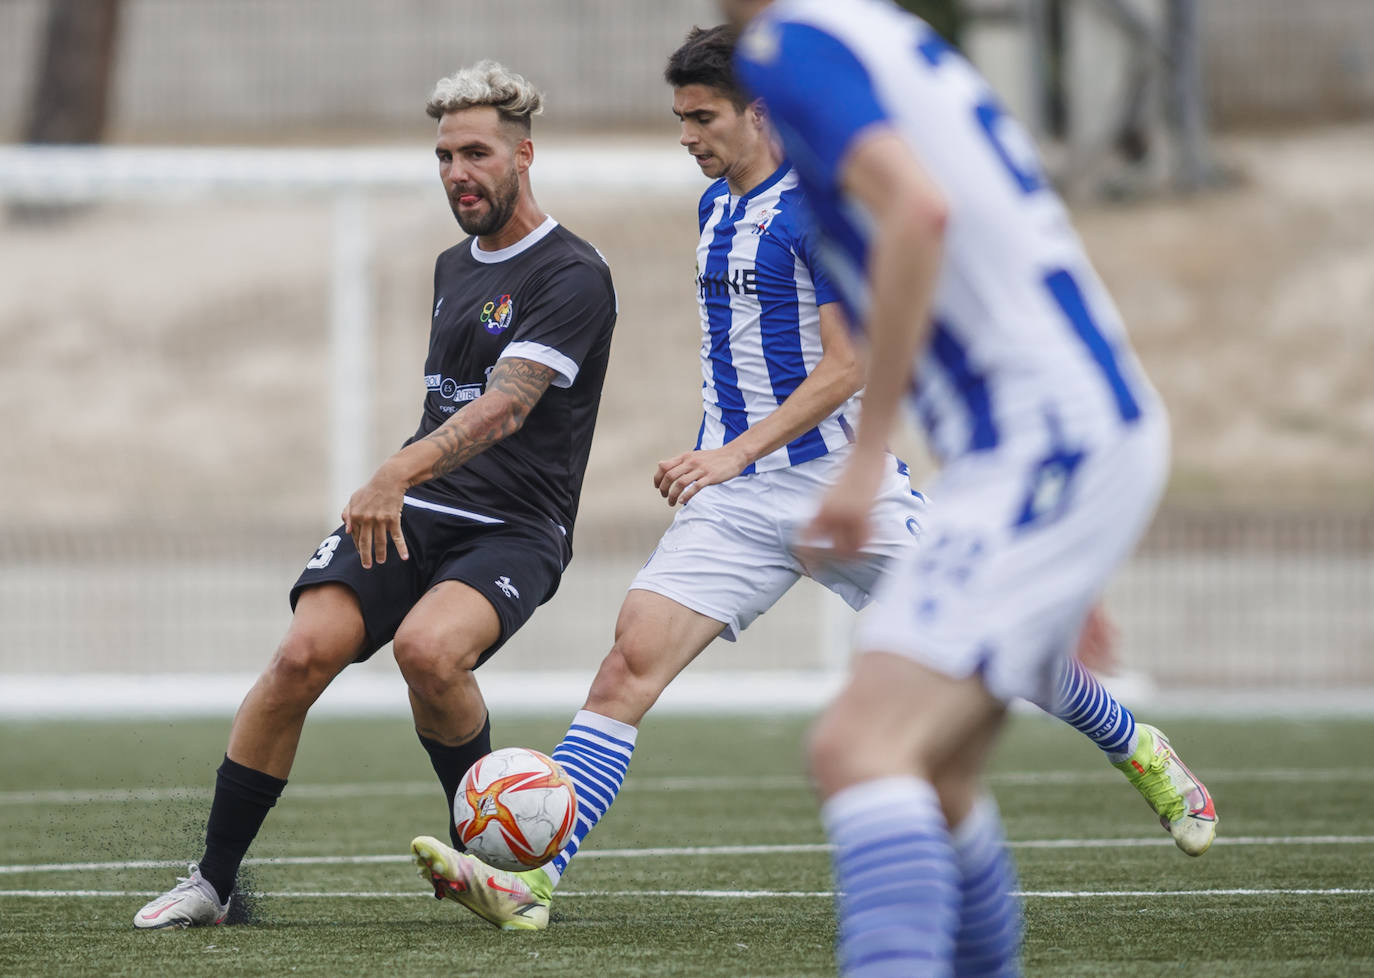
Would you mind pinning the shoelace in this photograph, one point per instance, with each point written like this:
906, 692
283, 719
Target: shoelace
1156, 785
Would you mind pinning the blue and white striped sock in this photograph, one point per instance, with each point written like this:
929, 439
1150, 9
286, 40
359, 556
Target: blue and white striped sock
596, 754
989, 940
898, 904
1084, 704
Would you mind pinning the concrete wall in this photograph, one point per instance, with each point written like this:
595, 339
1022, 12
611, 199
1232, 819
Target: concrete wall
230, 69
1270, 60
235, 70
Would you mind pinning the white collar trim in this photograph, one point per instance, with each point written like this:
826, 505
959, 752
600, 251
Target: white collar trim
510, 251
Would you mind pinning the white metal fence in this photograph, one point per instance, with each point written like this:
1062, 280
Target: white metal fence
1213, 599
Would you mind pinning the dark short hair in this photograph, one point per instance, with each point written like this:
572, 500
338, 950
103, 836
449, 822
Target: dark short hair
705, 59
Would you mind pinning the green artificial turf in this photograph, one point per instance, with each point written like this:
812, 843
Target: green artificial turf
1110, 897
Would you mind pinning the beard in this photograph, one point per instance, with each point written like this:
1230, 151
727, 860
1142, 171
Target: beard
501, 203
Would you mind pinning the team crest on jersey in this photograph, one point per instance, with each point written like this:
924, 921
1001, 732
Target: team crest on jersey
496, 314
761, 41
763, 218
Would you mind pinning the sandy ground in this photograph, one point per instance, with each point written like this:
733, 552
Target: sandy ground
168, 362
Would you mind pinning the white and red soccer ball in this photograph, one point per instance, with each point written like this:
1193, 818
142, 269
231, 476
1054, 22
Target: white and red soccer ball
515, 809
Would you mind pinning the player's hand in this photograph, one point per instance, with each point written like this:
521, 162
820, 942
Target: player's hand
373, 515
681, 477
1097, 642
842, 522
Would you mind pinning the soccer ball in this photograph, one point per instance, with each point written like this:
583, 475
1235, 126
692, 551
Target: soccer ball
515, 809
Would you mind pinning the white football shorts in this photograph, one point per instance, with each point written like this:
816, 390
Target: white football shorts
729, 555
1014, 552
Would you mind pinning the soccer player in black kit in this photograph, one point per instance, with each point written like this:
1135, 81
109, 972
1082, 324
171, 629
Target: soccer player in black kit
461, 534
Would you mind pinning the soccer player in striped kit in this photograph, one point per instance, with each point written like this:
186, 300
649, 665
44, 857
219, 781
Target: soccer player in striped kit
779, 378
952, 251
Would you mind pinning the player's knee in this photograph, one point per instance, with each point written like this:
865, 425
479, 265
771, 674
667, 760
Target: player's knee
304, 665
432, 662
634, 655
844, 750
827, 754
626, 682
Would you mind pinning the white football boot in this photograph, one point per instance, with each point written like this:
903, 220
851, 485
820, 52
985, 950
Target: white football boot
511, 901
193, 902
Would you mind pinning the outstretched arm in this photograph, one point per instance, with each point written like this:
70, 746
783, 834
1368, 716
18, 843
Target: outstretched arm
909, 215
373, 514
837, 377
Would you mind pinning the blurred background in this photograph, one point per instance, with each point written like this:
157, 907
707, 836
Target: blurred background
216, 253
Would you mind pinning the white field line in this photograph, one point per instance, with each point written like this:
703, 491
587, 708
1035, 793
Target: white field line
384, 789
663, 852
709, 894
372, 789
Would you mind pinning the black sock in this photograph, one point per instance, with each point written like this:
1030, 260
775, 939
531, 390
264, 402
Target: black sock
451, 763
243, 798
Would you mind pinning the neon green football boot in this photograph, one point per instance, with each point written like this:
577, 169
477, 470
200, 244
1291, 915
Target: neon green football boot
1181, 801
511, 901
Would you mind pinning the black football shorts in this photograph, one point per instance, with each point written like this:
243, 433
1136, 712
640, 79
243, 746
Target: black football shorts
515, 566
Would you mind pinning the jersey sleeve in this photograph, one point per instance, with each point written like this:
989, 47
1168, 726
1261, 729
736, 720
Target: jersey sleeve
814, 87
564, 317
708, 203
805, 245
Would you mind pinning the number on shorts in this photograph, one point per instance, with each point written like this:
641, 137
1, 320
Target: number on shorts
325, 554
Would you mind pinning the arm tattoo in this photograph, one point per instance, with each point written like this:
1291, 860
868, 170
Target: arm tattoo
513, 389
523, 380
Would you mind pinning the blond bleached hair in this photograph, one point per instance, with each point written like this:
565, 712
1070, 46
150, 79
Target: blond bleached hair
486, 83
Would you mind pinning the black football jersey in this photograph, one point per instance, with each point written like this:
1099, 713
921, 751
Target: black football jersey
547, 298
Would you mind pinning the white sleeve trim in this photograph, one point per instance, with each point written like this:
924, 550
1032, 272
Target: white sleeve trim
548, 356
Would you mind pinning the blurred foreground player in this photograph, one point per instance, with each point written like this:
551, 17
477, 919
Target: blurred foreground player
954, 254
779, 377
461, 534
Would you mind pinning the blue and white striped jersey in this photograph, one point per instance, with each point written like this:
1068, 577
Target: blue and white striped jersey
1025, 338
758, 289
